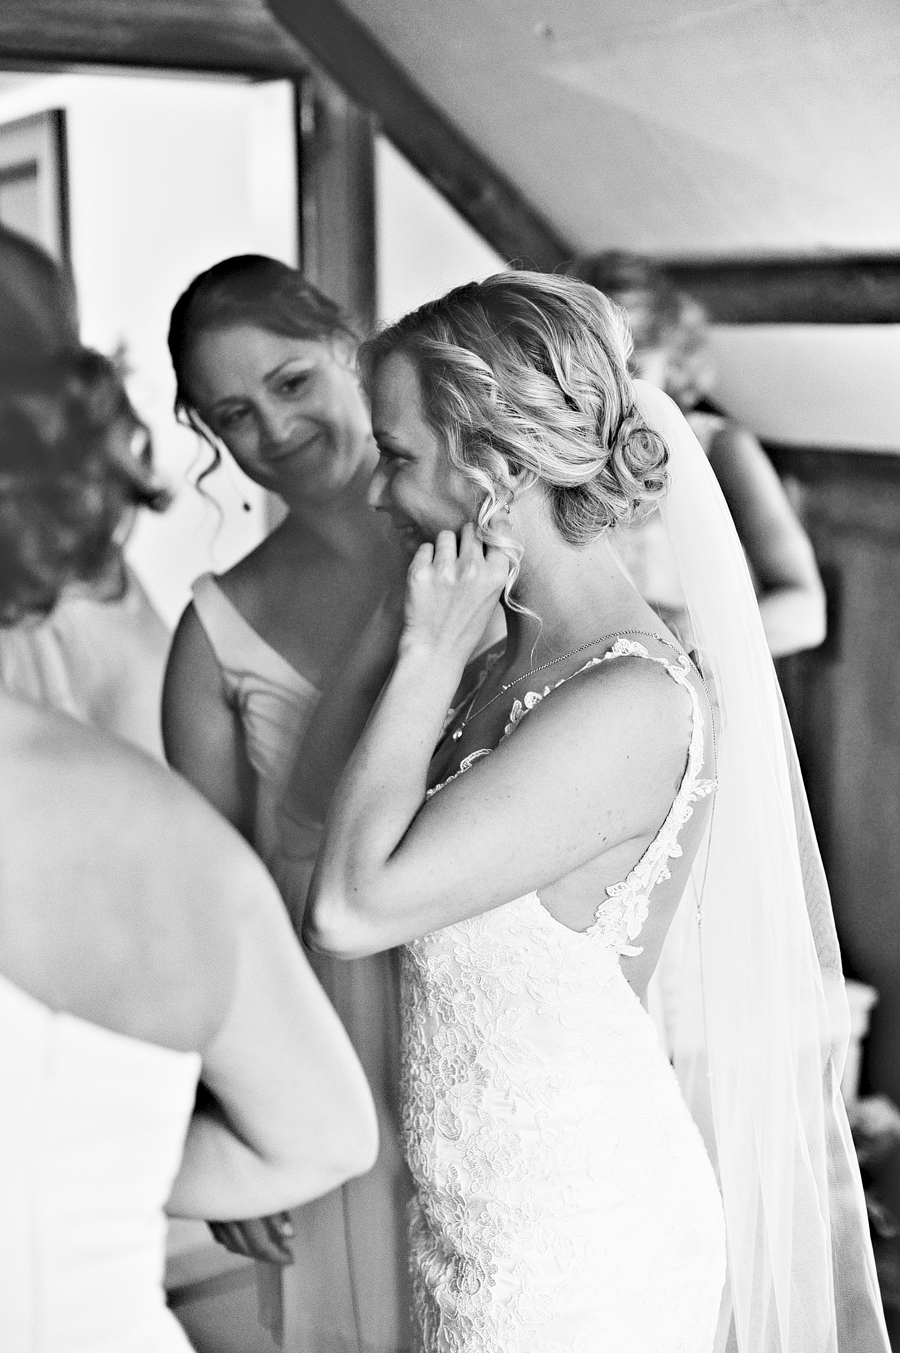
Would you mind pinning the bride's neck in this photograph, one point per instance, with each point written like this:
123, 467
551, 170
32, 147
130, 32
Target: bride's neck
576, 594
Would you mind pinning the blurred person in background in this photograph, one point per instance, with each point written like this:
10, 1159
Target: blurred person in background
265, 369
100, 654
162, 1036
671, 350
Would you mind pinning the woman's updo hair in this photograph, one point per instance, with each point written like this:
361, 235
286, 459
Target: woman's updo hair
527, 374
660, 316
249, 289
74, 457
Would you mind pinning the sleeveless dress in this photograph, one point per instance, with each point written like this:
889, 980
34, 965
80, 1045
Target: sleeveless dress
348, 1288
93, 1125
99, 660
565, 1202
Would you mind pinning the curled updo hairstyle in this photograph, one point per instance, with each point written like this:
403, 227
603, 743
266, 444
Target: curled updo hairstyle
253, 290
69, 472
660, 316
525, 374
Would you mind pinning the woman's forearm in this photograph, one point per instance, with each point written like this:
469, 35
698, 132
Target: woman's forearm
379, 795
793, 618
223, 1178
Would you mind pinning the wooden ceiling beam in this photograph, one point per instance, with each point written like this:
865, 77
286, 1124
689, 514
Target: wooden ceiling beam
456, 168
243, 37
235, 36
856, 289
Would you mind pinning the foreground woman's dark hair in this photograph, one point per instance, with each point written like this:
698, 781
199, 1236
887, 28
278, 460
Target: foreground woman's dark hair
74, 456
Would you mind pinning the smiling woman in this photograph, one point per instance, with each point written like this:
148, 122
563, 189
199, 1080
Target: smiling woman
419, 489
265, 371
531, 849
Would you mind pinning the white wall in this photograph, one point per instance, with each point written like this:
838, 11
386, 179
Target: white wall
166, 176
815, 385
424, 247
811, 384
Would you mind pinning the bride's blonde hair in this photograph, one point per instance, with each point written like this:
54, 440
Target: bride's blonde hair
525, 374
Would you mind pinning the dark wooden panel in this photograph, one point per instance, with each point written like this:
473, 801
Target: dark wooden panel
842, 290
818, 466
336, 141
844, 703
232, 35
477, 189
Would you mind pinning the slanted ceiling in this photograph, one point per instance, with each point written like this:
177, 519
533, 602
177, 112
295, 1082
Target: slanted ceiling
688, 130
718, 127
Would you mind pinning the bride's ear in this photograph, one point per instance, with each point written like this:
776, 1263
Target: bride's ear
520, 480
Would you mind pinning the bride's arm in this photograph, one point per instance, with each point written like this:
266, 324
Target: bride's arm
347, 700
542, 805
334, 731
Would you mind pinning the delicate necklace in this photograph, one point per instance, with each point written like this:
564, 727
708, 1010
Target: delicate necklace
473, 713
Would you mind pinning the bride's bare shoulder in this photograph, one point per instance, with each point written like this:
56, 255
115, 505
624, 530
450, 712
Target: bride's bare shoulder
630, 690
120, 887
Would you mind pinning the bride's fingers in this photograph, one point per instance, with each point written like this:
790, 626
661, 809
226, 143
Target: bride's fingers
445, 550
470, 547
423, 556
229, 1235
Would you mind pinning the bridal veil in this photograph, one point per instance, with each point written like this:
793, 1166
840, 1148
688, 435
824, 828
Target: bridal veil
759, 1025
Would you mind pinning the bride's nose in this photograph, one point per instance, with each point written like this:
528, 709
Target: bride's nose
378, 495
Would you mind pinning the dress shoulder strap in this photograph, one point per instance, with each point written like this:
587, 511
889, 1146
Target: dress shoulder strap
232, 638
622, 647
238, 647
620, 916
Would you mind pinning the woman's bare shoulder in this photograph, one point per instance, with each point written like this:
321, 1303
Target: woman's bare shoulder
626, 708
109, 855
274, 560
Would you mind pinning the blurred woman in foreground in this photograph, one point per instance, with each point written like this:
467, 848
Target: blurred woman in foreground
143, 949
101, 652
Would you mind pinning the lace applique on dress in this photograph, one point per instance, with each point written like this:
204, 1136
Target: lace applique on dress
463, 767
564, 1199
621, 915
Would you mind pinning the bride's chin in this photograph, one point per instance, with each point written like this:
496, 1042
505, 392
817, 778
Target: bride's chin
408, 538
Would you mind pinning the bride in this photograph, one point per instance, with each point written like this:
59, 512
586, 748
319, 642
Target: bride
570, 1194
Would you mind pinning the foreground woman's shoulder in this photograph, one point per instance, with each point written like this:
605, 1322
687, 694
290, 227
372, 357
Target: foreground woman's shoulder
143, 801
111, 855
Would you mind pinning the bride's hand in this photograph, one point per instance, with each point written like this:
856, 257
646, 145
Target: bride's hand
451, 592
262, 1238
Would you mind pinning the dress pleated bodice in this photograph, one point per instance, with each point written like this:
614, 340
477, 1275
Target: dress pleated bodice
274, 702
565, 1202
92, 1125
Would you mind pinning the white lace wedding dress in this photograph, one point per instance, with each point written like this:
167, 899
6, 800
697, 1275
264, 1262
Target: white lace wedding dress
565, 1202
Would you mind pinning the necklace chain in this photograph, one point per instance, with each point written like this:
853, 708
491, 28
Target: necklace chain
473, 713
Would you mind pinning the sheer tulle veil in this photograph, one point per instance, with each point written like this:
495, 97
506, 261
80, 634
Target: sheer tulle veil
758, 1019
